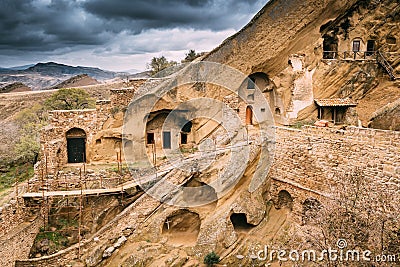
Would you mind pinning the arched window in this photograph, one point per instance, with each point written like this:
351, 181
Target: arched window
76, 145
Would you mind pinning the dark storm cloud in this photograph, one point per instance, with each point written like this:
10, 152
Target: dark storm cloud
142, 14
37, 25
60, 25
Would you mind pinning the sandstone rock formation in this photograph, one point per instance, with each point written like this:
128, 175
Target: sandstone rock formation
263, 187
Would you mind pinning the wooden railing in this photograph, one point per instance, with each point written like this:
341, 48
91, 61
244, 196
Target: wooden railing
384, 59
350, 55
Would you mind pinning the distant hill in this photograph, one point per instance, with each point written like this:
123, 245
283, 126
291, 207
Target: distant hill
14, 88
76, 81
144, 74
44, 76
24, 67
55, 69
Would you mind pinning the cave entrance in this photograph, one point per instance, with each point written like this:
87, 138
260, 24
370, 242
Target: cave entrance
330, 46
76, 145
239, 222
182, 228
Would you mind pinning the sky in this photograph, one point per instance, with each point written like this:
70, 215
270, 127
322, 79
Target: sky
116, 35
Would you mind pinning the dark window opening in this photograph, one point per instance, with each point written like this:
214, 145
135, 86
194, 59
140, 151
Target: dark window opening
239, 221
184, 138
262, 109
187, 128
251, 83
391, 40
150, 138
370, 47
167, 140
277, 111
98, 141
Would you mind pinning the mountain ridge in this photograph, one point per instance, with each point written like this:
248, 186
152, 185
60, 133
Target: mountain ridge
42, 76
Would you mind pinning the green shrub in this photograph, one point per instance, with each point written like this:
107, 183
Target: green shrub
211, 258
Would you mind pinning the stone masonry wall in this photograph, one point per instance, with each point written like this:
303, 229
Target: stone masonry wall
307, 161
122, 97
53, 137
18, 245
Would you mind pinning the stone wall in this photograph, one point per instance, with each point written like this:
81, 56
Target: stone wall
11, 215
121, 97
308, 161
53, 139
18, 244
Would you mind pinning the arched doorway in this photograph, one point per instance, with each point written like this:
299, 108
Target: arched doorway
249, 115
284, 200
76, 145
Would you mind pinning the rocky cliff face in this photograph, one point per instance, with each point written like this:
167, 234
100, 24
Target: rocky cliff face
296, 51
287, 39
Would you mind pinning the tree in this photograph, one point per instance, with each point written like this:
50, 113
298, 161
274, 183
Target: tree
69, 99
27, 149
30, 121
158, 64
190, 56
